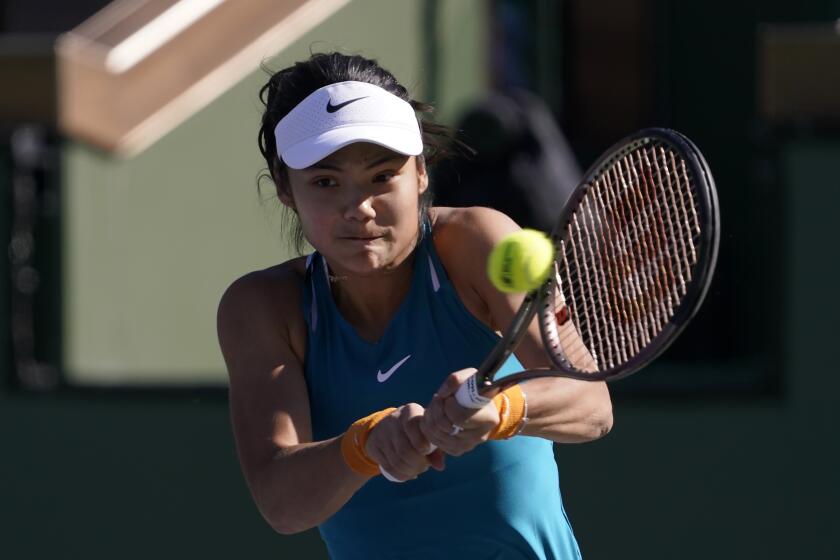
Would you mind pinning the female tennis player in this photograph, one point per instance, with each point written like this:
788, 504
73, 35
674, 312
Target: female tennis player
331, 354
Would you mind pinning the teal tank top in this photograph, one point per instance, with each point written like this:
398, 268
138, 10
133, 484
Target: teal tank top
500, 501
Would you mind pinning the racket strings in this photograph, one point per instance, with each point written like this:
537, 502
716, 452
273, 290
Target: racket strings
627, 256
629, 238
653, 270
561, 333
623, 294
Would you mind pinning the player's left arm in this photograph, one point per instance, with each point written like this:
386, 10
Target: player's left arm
560, 409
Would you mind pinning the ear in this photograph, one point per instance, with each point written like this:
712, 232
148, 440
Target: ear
285, 196
281, 184
422, 174
284, 192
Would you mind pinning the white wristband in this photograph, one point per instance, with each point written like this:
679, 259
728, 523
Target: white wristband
389, 476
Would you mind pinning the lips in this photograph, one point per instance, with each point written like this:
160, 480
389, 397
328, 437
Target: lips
363, 237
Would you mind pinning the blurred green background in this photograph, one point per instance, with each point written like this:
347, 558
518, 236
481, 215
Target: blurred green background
113, 411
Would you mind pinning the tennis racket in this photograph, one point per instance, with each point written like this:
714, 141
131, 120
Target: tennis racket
635, 250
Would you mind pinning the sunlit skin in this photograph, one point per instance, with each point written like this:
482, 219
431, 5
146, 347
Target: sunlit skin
358, 207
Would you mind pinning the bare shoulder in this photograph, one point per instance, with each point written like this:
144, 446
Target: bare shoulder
265, 301
274, 287
463, 239
475, 229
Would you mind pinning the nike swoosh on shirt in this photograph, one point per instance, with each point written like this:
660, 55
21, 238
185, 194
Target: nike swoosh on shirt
333, 108
383, 377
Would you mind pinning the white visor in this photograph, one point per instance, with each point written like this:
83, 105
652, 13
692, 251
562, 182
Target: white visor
340, 114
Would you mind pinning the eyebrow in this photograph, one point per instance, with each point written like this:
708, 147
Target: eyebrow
379, 161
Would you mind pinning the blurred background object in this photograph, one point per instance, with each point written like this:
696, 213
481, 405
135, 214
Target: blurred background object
790, 91
129, 174
136, 70
522, 164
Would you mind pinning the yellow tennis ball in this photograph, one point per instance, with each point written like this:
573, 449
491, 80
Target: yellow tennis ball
521, 261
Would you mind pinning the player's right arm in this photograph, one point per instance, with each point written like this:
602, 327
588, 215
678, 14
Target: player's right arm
295, 482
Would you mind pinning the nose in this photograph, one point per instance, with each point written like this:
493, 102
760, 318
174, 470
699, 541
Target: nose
360, 207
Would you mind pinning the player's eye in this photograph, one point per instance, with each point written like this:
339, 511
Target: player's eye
384, 177
324, 182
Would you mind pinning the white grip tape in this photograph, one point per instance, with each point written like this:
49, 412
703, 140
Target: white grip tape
468, 395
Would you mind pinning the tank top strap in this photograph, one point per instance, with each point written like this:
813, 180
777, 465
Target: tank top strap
313, 292
427, 271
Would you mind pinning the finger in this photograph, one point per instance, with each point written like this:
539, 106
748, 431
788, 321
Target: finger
413, 447
377, 446
430, 432
475, 436
415, 469
427, 424
415, 436
434, 415
435, 421
405, 466
457, 414
388, 476
437, 427
464, 444
387, 447
383, 459
437, 441
411, 417
396, 475
437, 460
453, 447
453, 381
464, 441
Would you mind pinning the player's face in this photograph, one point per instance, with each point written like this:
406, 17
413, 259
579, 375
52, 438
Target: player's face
358, 207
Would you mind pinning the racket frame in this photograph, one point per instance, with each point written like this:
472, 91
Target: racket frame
540, 299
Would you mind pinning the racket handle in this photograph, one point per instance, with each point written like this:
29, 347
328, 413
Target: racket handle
468, 396
394, 479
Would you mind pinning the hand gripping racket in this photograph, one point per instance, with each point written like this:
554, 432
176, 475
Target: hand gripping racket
635, 249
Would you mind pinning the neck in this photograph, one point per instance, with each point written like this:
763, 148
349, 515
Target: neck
369, 302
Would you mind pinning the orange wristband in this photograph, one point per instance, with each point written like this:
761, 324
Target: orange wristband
513, 412
353, 443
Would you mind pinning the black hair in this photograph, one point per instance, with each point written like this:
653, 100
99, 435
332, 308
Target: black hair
288, 87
